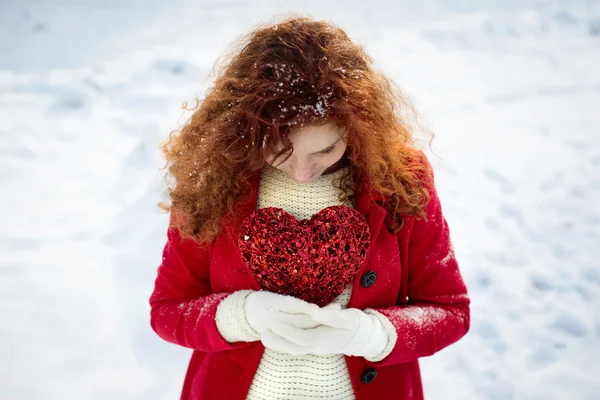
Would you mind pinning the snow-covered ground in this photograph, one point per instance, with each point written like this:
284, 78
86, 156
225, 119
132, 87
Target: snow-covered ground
88, 89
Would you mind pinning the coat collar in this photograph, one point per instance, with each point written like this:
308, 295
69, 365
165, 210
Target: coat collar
366, 202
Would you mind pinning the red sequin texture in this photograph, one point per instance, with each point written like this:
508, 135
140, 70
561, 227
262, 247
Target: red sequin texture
313, 259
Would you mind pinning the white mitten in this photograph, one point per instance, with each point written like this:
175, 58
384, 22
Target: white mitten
246, 315
262, 309
343, 331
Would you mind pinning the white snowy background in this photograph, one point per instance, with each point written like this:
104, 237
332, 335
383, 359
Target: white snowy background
88, 90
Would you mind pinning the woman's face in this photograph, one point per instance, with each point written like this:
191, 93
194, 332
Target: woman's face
315, 149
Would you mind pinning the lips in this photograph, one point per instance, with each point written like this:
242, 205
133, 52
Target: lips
309, 178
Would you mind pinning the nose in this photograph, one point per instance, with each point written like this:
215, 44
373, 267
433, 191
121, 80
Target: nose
302, 174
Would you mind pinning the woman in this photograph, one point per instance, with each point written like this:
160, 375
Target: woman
307, 255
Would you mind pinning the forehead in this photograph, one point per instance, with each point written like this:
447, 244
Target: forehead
316, 133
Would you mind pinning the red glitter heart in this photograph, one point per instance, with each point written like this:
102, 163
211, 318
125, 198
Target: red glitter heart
313, 259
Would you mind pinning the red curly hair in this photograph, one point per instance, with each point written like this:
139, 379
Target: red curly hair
280, 77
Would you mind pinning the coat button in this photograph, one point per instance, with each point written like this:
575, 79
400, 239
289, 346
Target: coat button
369, 279
369, 375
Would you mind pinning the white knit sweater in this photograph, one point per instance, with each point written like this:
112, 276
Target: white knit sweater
280, 375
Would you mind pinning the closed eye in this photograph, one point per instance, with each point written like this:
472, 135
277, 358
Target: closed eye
329, 150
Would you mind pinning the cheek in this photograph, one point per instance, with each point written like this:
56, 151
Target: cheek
280, 164
276, 162
337, 156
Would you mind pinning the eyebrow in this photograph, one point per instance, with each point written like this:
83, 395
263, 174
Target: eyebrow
328, 147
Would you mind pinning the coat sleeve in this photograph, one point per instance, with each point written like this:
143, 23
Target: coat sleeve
183, 306
437, 312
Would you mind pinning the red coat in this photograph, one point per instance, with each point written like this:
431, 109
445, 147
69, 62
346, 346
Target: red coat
418, 286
